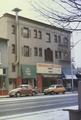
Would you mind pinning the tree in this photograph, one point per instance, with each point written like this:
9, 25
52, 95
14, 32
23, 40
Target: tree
67, 16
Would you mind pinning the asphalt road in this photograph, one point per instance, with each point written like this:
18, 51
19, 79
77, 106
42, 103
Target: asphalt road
13, 106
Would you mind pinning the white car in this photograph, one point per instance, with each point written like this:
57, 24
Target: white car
22, 90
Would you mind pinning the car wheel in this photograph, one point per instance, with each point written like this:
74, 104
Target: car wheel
45, 93
18, 94
34, 93
51, 92
64, 92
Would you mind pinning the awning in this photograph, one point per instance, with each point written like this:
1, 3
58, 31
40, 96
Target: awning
70, 77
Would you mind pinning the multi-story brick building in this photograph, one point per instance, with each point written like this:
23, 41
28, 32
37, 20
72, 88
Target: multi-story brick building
32, 42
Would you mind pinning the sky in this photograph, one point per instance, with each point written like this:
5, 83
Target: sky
6, 6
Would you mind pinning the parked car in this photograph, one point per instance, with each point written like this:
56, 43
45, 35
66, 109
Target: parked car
23, 90
55, 89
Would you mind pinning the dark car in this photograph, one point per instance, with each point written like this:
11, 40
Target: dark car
23, 90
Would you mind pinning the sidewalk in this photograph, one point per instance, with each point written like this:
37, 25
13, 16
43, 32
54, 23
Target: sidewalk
4, 96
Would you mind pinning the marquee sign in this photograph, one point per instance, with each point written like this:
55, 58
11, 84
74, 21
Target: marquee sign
48, 68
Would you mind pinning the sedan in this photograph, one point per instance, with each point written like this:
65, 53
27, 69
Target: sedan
54, 89
22, 90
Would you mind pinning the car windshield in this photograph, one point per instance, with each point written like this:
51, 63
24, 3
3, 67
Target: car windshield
52, 86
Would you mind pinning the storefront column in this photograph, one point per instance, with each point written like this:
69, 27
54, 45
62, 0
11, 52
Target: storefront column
39, 83
18, 81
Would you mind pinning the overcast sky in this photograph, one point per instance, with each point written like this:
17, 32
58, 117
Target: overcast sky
27, 11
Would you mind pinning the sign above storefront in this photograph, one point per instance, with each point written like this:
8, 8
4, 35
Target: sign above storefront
48, 68
28, 71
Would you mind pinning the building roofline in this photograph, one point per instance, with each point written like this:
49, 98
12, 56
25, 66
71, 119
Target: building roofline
4, 39
36, 22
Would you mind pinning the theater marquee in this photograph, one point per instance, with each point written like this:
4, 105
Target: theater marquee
48, 68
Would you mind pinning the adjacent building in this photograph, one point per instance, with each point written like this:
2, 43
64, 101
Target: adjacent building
38, 53
4, 83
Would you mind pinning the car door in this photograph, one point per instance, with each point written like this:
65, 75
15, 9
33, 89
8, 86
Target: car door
24, 90
58, 89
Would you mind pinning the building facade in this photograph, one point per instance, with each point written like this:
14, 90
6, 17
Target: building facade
4, 83
33, 44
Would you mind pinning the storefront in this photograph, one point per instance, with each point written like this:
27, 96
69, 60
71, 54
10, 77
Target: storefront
29, 74
47, 74
3, 81
70, 80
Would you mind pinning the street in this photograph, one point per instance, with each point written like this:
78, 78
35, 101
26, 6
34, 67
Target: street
22, 105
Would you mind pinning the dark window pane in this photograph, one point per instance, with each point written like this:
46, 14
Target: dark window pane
35, 33
35, 51
48, 37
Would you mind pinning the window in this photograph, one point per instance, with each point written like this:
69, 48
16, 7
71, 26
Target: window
26, 51
55, 38
48, 55
48, 38
13, 68
35, 33
59, 39
26, 32
39, 34
40, 52
4, 70
58, 54
13, 29
65, 41
13, 48
35, 51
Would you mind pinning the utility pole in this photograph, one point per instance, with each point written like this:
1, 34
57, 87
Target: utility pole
17, 44
72, 60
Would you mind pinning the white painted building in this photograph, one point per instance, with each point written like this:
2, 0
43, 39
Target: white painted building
31, 42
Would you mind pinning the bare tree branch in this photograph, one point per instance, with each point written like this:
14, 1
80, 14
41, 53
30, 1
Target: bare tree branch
70, 14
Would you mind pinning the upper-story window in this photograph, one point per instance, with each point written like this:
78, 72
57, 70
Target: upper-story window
58, 54
48, 37
13, 48
59, 39
55, 38
35, 51
65, 40
48, 55
40, 52
39, 34
13, 68
25, 32
26, 51
35, 33
13, 29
